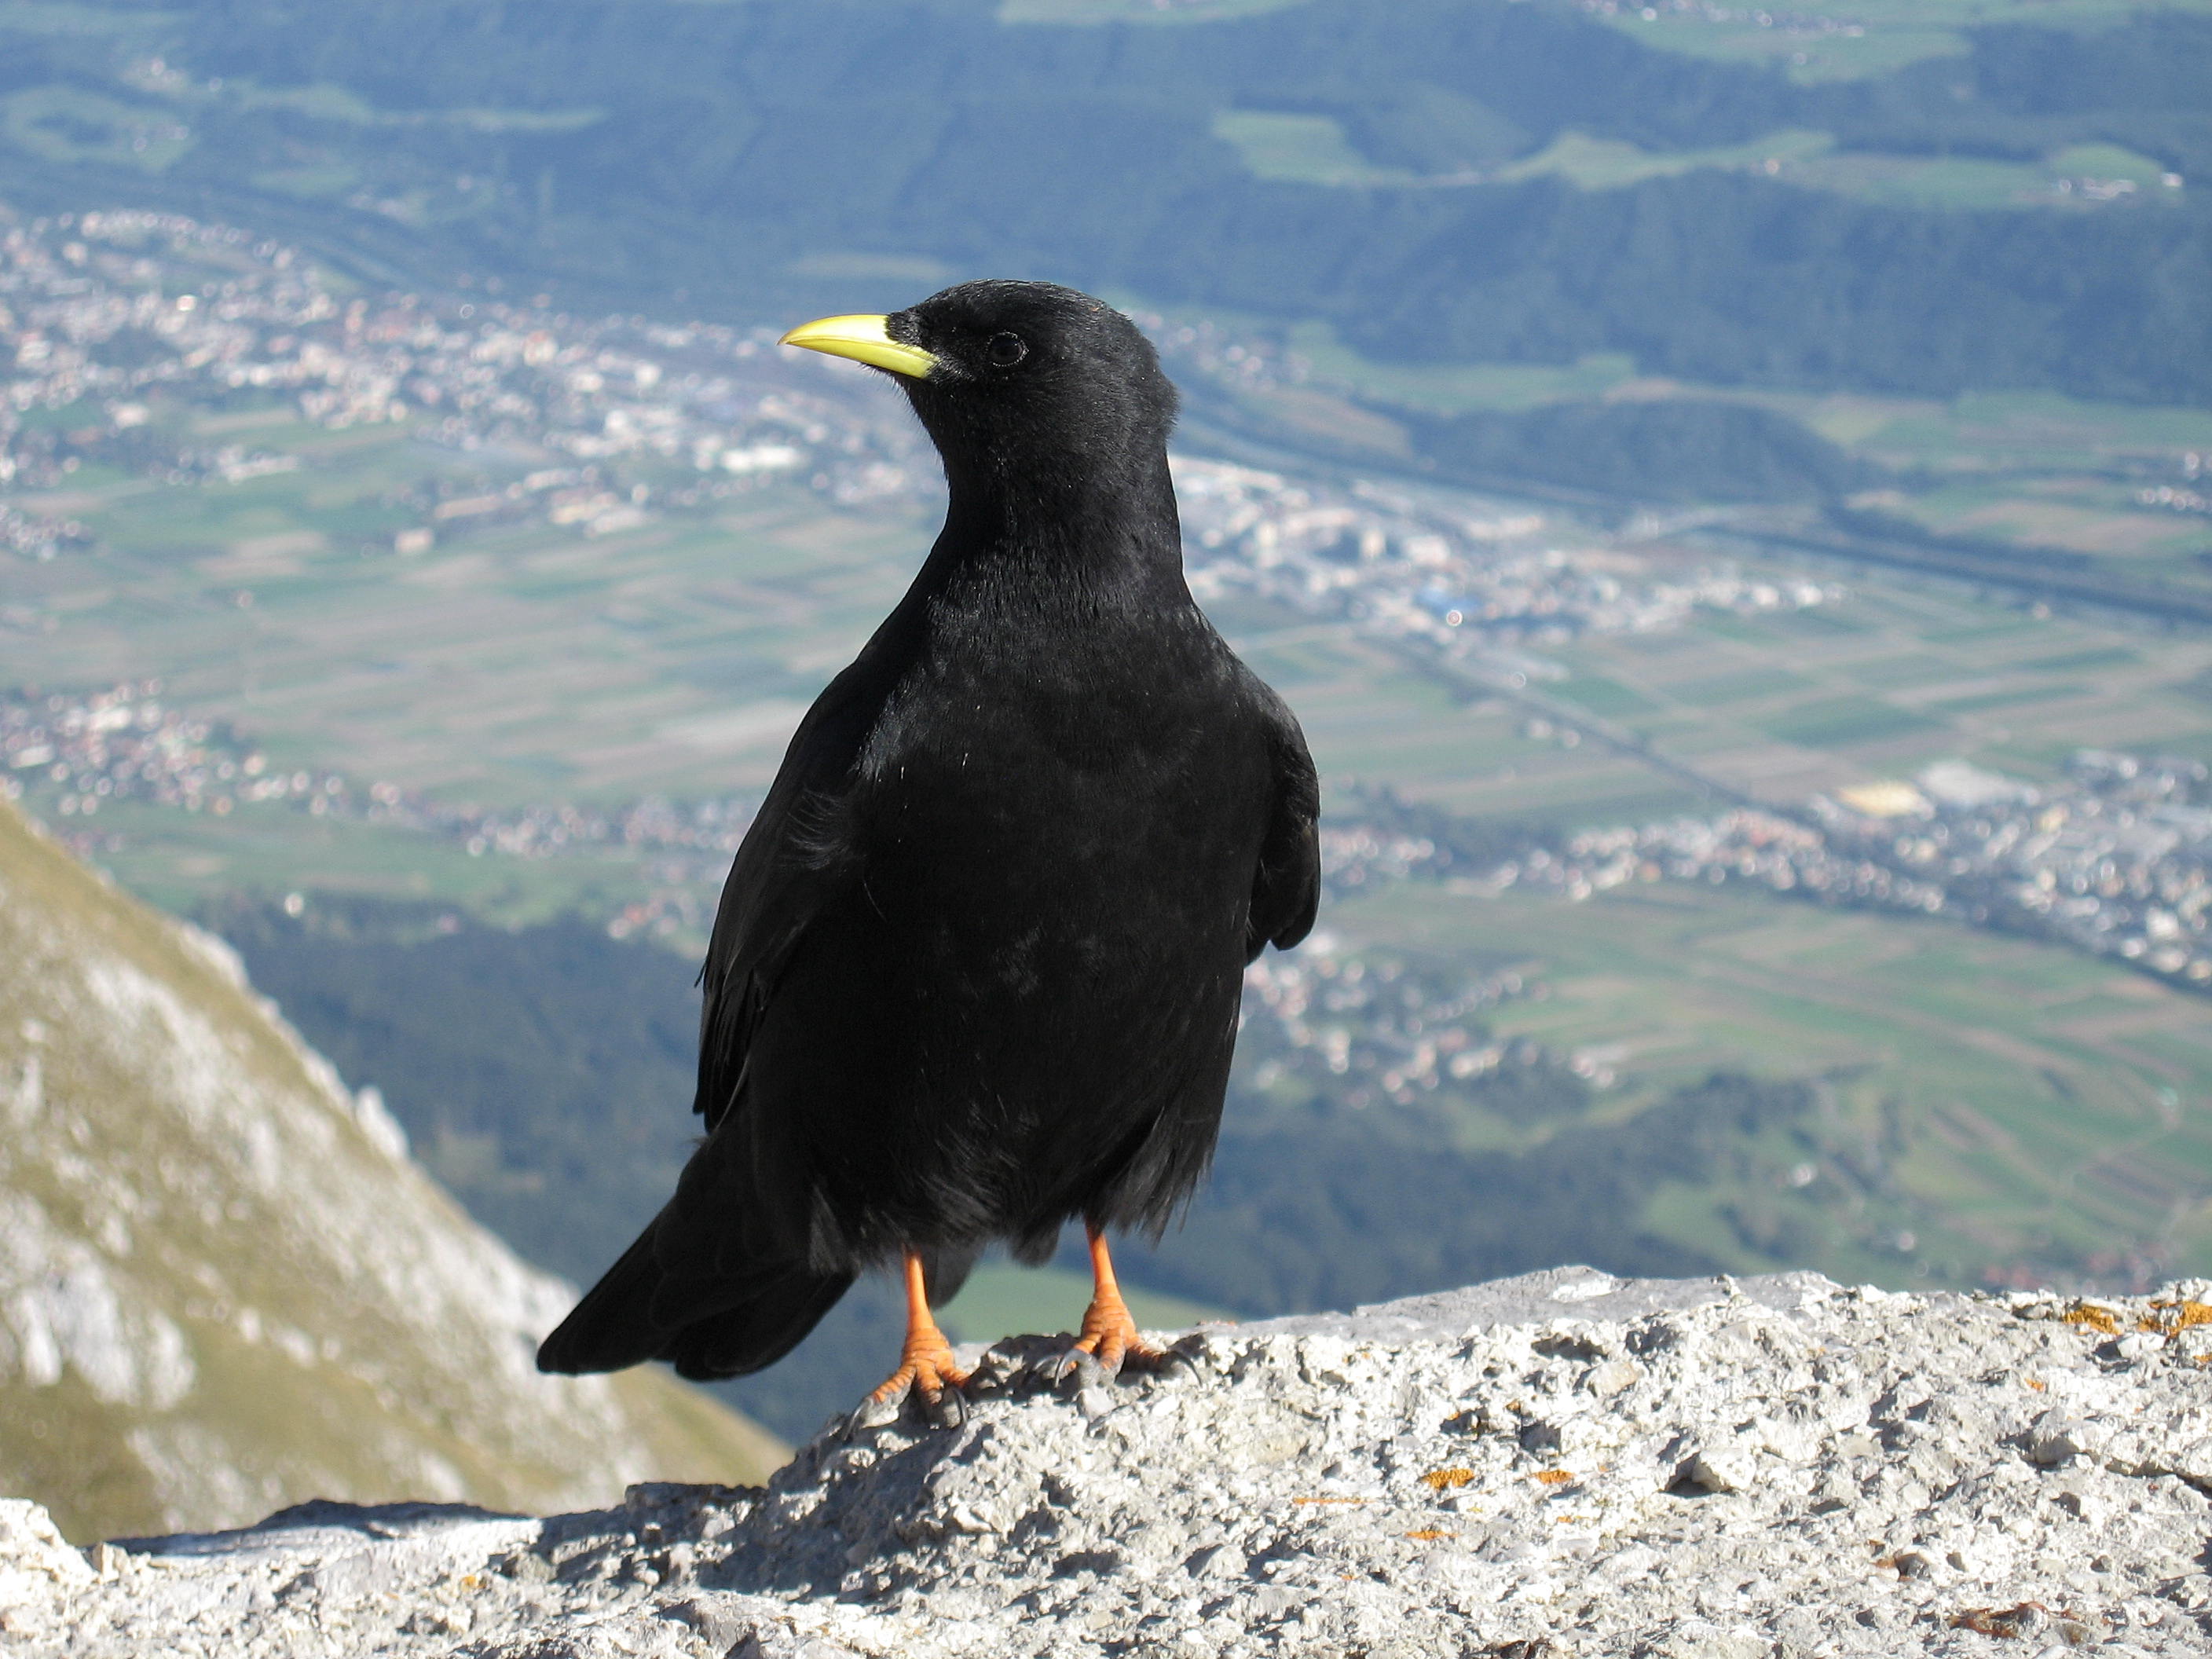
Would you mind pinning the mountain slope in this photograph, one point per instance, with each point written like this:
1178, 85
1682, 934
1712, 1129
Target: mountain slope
223, 1286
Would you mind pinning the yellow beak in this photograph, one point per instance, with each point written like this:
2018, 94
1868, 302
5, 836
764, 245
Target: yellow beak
863, 340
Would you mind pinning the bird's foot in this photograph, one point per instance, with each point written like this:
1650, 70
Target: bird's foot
1109, 1344
926, 1371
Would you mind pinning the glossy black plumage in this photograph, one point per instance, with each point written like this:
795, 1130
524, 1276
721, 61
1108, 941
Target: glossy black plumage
978, 966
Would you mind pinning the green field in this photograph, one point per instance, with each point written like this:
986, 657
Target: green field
1314, 149
1590, 163
1455, 388
181, 860
1370, 717
1865, 38
1877, 685
1133, 11
1300, 150
1889, 679
2004, 1101
1977, 433
507, 666
66, 125
526, 665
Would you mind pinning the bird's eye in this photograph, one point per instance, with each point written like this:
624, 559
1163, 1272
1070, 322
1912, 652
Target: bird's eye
1005, 351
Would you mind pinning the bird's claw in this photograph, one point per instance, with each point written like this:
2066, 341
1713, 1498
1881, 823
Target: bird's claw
945, 1407
1142, 1359
1080, 1363
872, 1413
1174, 1364
927, 1377
1110, 1346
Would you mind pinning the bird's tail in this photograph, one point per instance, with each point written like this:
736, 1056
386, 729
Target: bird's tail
710, 1327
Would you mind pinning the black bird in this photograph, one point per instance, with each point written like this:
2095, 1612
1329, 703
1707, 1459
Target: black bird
978, 966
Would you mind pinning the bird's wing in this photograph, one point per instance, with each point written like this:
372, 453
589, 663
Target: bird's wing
791, 861
1287, 888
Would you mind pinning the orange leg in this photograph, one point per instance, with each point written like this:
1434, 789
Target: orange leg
926, 1362
1110, 1334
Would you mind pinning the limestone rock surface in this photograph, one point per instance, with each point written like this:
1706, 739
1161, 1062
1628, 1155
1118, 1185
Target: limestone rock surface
1559, 1464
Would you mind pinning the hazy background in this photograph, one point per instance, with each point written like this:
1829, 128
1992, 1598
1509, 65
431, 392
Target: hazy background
1724, 490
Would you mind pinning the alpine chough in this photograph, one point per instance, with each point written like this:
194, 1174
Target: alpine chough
978, 966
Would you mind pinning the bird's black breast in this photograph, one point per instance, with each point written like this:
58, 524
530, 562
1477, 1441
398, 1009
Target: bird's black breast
1033, 962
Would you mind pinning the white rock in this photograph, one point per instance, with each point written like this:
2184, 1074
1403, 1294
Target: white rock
34, 1558
1447, 1476
1732, 1465
2058, 1435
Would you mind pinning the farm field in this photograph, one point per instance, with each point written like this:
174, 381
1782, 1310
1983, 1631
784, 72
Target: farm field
2001, 1101
511, 665
1896, 676
1373, 717
181, 861
1773, 706
504, 665
1315, 149
1871, 37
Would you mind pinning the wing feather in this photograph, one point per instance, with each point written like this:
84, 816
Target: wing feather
792, 861
1286, 887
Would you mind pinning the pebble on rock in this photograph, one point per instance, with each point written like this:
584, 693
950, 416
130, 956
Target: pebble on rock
1686, 1470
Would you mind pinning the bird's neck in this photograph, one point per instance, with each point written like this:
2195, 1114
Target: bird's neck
1084, 523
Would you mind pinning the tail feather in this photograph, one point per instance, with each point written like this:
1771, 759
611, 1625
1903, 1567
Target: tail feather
757, 1332
711, 1327
610, 1327
945, 1269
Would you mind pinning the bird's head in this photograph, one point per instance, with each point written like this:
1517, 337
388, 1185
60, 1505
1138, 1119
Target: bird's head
1018, 384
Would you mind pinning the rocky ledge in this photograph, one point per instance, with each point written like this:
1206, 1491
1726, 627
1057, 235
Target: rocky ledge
1558, 1464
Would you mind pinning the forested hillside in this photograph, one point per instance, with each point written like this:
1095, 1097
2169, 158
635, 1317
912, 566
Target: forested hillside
1710, 451
778, 153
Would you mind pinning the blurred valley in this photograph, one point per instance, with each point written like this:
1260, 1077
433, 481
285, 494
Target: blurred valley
1727, 498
